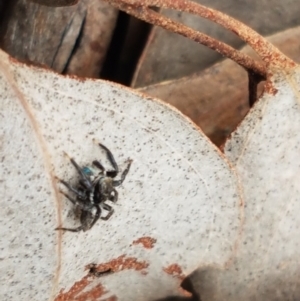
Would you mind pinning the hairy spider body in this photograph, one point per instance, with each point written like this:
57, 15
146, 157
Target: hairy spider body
95, 187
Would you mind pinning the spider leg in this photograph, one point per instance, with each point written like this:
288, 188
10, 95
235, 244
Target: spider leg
97, 215
85, 180
111, 160
81, 204
111, 173
123, 176
109, 209
68, 197
99, 165
71, 188
114, 197
71, 229
83, 219
81, 184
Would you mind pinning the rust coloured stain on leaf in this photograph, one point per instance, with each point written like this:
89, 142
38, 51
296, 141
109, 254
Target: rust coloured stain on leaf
269, 88
76, 293
147, 242
174, 270
121, 263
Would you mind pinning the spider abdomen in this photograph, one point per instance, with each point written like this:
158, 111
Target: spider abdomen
103, 189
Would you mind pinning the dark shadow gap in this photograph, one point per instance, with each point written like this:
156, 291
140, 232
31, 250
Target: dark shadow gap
127, 44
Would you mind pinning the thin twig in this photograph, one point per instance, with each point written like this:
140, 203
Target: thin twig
155, 18
266, 50
269, 53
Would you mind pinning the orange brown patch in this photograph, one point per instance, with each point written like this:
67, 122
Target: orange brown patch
75, 293
122, 263
147, 242
174, 270
269, 88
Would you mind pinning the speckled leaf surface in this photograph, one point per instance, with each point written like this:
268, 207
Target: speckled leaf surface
181, 194
265, 152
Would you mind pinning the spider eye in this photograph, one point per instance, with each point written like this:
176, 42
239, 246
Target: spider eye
87, 171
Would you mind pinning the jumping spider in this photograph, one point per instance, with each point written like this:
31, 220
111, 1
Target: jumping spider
94, 190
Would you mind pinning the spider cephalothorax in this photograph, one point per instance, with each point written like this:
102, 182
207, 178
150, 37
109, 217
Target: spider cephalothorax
95, 187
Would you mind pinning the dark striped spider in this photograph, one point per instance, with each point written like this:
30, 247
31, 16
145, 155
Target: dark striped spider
95, 187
